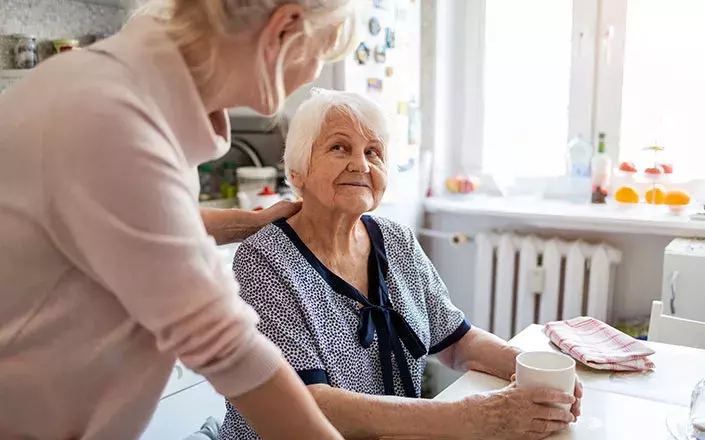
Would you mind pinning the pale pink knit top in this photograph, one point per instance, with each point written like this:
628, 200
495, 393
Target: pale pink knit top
106, 271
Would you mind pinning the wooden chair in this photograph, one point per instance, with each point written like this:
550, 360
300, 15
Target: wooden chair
672, 330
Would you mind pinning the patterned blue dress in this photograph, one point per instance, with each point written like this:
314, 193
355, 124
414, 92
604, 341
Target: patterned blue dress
328, 331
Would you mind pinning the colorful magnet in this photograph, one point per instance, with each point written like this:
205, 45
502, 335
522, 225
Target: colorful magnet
362, 53
381, 4
389, 71
390, 38
374, 84
402, 108
375, 27
380, 53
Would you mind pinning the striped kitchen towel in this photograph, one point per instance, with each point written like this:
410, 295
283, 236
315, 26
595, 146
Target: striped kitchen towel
598, 345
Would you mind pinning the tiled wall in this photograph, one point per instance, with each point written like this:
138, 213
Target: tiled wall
46, 19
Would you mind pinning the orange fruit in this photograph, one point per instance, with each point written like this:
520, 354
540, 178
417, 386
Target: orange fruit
677, 198
656, 195
626, 194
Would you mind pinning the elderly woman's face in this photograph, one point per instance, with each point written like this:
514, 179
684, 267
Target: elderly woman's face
348, 169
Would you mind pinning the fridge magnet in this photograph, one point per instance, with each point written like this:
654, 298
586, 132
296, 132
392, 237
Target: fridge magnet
380, 4
402, 108
362, 53
389, 71
380, 53
390, 38
374, 26
374, 84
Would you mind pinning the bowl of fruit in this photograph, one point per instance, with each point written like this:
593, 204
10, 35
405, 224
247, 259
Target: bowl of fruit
626, 169
626, 196
655, 195
677, 201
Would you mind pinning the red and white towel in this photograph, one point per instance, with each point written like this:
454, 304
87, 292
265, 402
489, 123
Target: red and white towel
599, 345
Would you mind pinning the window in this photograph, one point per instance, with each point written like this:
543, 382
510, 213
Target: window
663, 92
527, 63
553, 70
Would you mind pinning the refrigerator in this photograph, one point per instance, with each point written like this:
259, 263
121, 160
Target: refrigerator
386, 67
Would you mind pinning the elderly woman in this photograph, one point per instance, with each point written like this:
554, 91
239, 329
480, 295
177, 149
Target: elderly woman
356, 306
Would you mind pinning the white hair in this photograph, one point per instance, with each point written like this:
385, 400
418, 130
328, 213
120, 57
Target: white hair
195, 21
309, 119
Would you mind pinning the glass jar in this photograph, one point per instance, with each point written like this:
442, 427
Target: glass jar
65, 45
25, 52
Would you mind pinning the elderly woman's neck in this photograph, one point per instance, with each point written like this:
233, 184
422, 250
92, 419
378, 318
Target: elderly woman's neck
339, 232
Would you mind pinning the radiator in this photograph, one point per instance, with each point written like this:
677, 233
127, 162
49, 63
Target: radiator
524, 280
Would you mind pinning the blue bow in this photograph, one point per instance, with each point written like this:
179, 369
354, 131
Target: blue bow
392, 330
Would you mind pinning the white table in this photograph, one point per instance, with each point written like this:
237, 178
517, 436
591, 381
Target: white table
615, 405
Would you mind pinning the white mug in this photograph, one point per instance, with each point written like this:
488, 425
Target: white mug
546, 369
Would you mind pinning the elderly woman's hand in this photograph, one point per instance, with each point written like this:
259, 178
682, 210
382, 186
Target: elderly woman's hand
513, 413
576, 408
578, 392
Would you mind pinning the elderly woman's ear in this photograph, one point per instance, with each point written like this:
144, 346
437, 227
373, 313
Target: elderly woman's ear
296, 180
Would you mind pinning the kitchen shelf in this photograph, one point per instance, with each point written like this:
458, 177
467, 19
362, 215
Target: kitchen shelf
116, 3
14, 73
640, 219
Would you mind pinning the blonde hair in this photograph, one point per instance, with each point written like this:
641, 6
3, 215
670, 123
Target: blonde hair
310, 117
191, 22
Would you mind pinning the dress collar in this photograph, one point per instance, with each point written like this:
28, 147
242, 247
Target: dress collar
377, 315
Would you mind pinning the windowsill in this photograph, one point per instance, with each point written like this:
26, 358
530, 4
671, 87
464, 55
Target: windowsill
557, 214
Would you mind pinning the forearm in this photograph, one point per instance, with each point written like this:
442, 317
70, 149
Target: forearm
230, 225
364, 416
482, 351
282, 408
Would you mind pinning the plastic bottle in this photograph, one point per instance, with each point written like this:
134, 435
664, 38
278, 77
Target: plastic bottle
601, 171
228, 186
578, 158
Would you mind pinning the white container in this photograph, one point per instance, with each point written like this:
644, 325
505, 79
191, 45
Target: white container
251, 183
682, 280
545, 369
252, 180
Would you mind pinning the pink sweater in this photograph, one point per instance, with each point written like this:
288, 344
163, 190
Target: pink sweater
106, 271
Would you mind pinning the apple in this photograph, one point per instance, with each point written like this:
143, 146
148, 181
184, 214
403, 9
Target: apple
627, 167
667, 168
654, 171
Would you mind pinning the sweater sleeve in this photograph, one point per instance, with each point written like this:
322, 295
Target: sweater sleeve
121, 206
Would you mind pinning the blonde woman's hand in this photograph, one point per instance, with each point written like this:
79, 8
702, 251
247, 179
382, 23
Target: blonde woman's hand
281, 209
513, 413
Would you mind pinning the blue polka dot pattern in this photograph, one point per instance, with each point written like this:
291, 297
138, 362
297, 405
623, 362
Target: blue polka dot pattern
316, 328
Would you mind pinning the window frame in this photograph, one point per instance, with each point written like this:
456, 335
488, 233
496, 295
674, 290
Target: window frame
582, 94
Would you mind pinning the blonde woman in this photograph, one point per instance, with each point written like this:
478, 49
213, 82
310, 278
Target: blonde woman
107, 272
